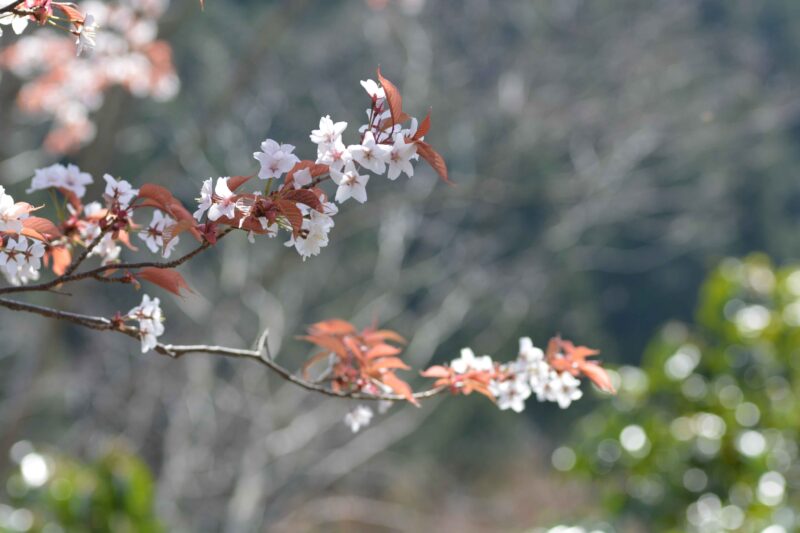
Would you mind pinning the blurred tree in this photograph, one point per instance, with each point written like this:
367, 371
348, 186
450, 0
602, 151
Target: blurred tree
51, 492
704, 436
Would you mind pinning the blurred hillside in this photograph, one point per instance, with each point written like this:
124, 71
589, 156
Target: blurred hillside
606, 155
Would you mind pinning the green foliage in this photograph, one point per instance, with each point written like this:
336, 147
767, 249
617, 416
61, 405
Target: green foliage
52, 492
704, 436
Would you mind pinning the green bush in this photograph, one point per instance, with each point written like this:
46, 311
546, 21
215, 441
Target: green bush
704, 436
53, 493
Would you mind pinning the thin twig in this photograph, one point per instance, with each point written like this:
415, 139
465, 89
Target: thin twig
96, 272
260, 354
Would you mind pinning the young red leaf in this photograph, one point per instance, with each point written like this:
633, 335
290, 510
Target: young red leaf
423, 128
433, 158
304, 196
436, 371
334, 326
311, 362
292, 213
399, 386
331, 344
598, 375
234, 182
392, 97
166, 278
382, 335
389, 362
62, 258
382, 350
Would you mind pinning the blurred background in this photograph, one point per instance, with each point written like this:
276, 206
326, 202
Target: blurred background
608, 155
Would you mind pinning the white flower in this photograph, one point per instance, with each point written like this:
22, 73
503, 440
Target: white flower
302, 178
336, 156
21, 261
206, 198
358, 418
76, 181
528, 352
224, 203
351, 184
468, 362
276, 159
150, 318
153, 235
86, 34
18, 23
120, 191
400, 156
370, 154
373, 89
44, 178
11, 213
511, 394
564, 389
107, 248
328, 133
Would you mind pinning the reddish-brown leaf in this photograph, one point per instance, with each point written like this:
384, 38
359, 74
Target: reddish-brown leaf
334, 326
423, 128
304, 196
436, 371
234, 182
433, 158
314, 360
399, 386
33, 234
62, 258
161, 198
598, 375
166, 278
354, 346
292, 213
42, 225
392, 97
389, 363
331, 344
382, 335
382, 350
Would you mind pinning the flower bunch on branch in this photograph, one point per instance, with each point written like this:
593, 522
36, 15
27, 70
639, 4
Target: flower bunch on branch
286, 196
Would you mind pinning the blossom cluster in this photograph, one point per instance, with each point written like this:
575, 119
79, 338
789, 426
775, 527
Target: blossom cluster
68, 88
298, 204
551, 376
367, 362
150, 318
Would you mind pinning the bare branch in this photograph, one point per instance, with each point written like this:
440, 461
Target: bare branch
260, 354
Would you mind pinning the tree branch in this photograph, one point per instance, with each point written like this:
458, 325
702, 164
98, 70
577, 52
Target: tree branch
96, 272
259, 354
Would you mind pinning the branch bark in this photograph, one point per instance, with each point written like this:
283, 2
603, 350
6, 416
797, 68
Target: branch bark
259, 354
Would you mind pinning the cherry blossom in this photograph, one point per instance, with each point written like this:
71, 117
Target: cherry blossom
18, 23
328, 133
150, 319
370, 154
358, 418
153, 235
351, 184
206, 198
373, 89
224, 201
119, 191
511, 394
86, 33
336, 156
400, 156
276, 159
468, 362
11, 213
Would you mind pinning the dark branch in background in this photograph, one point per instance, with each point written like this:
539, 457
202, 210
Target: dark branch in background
260, 353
